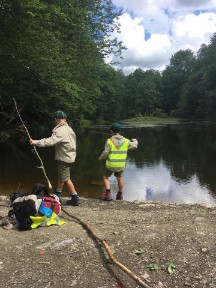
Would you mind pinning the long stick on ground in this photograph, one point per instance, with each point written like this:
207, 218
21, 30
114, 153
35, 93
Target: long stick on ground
35, 150
115, 261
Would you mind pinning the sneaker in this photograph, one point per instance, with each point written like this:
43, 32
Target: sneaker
119, 196
74, 201
107, 196
58, 194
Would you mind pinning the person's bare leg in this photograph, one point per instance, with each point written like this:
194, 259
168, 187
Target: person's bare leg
119, 195
60, 186
106, 182
120, 183
107, 195
70, 186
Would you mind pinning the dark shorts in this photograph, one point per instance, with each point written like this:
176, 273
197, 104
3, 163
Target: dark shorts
63, 171
108, 173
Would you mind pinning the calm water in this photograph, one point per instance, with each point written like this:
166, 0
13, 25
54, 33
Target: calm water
173, 163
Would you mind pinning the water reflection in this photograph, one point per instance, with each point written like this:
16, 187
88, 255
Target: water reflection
173, 163
155, 183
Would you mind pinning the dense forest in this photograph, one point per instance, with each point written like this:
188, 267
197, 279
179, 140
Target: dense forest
52, 58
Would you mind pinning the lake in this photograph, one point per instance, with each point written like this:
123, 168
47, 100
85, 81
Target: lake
174, 163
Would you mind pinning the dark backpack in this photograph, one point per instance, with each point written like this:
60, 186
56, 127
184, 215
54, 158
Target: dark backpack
25, 208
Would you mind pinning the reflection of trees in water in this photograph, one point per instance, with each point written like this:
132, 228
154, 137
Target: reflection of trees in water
89, 147
181, 172
11, 155
186, 150
18, 164
148, 152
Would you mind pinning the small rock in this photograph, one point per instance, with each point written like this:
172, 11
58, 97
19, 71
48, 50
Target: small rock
160, 285
187, 284
199, 219
197, 277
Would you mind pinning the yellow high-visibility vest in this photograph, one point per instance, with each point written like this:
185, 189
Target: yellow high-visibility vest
45, 221
118, 155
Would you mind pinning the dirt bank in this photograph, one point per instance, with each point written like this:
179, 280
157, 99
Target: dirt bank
68, 256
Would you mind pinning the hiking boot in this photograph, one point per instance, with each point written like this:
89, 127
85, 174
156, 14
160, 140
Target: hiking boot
103, 196
119, 196
107, 196
74, 201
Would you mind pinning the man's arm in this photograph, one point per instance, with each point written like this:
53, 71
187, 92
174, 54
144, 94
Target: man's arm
51, 141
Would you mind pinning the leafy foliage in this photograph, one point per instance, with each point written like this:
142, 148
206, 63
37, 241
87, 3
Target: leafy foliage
174, 78
138, 251
52, 57
153, 267
170, 267
52, 53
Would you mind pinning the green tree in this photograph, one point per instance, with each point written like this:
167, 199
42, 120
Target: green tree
198, 98
112, 87
174, 78
51, 53
143, 94
208, 83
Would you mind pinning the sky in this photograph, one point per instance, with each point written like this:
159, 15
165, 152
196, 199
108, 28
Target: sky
154, 30
155, 183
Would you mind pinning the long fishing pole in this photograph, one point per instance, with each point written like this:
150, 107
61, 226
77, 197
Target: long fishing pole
35, 150
100, 132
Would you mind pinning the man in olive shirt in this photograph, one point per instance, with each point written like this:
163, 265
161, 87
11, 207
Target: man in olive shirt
64, 140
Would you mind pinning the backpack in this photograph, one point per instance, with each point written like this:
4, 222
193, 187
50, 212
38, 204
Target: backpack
26, 204
49, 205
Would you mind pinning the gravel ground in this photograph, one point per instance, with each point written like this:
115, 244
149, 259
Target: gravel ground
138, 234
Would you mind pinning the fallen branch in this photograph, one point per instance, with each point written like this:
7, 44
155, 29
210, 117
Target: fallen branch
35, 150
115, 261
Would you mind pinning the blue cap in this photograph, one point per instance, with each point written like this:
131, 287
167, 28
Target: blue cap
60, 115
116, 127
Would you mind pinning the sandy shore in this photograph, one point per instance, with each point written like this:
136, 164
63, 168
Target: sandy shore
138, 234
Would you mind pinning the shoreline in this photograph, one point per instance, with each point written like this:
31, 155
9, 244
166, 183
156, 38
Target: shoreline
68, 256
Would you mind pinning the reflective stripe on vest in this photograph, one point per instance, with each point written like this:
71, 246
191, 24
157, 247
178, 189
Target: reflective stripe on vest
117, 156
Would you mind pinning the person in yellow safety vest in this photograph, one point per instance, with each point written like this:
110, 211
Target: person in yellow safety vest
115, 154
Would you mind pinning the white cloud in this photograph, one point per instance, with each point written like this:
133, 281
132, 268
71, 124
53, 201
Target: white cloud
195, 3
173, 25
154, 183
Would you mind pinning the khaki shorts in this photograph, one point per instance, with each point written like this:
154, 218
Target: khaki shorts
108, 173
63, 171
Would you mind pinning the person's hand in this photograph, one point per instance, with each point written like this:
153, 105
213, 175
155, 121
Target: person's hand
32, 142
132, 140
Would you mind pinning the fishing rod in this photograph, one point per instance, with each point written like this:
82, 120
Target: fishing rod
34, 148
100, 132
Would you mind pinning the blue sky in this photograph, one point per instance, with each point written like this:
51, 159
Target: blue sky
153, 30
